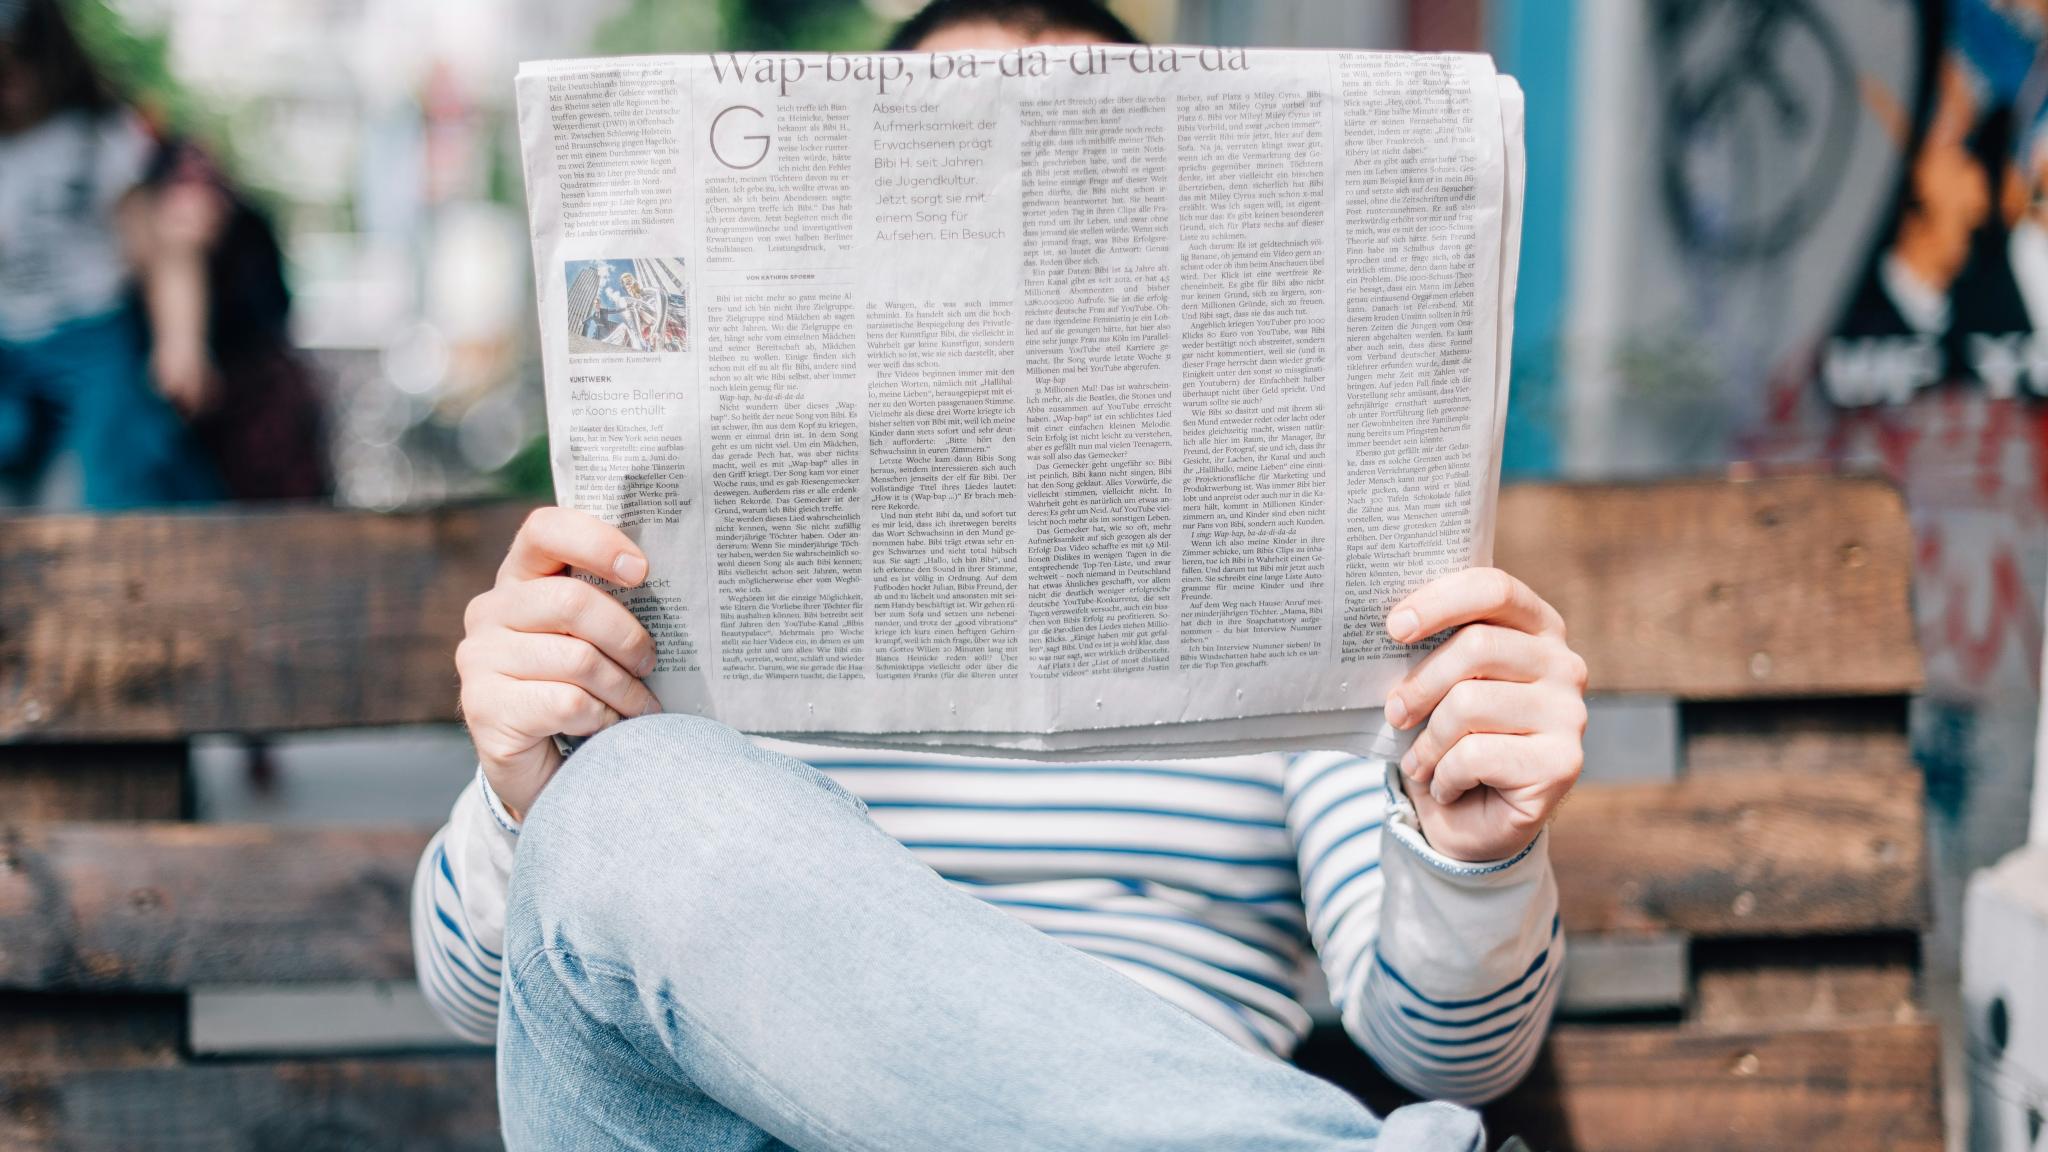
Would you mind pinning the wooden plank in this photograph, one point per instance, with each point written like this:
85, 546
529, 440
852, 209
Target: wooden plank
146, 781
166, 906
1796, 735
44, 1033
1794, 586
445, 1103
1874, 1089
1751, 983
139, 627
1597, 1089
1669, 1089
150, 627
1744, 854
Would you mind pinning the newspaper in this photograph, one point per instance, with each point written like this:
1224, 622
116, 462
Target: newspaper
1062, 401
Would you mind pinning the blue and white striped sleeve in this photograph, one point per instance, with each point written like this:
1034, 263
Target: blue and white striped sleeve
1444, 972
458, 913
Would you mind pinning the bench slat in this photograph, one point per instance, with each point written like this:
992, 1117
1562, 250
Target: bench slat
43, 1033
162, 906
1597, 1089
1744, 854
150, 627
1796, 736
94, 781
1663, 1088
166, 906
1874, 1089
1714, 590
446, 1103
1750, 984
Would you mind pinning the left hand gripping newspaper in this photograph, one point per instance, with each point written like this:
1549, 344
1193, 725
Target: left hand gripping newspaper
1058, 402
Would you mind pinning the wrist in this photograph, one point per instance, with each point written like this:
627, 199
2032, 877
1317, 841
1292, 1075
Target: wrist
507, 816
1449, 853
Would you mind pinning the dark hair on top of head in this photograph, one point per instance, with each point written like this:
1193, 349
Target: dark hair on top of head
41, 43
1032, 17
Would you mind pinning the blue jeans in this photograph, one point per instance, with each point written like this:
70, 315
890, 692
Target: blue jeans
709, 946
85, 389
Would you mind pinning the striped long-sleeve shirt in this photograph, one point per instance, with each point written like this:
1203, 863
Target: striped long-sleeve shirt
1206, 881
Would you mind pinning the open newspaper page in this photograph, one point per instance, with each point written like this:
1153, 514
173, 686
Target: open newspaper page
1051, 401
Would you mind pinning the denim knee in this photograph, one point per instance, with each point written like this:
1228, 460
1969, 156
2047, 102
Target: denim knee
646, 793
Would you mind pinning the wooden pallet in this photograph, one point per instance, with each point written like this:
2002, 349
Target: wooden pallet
1782, 867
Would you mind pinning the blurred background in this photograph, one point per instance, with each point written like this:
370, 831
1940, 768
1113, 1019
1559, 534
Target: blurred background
1761, 235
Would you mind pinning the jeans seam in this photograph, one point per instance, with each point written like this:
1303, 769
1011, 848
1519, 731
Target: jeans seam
832, 1136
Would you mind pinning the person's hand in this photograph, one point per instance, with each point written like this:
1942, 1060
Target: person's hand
1504, 701
184, 375
545, 653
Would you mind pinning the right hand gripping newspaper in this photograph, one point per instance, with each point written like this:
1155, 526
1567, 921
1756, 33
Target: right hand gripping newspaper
1059, 402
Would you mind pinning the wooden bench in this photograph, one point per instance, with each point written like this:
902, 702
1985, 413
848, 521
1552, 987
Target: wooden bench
1745, 929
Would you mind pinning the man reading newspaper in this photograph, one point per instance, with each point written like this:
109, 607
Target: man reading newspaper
683, 937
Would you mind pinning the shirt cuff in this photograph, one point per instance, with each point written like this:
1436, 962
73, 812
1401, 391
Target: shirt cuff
496, 806
1406, 828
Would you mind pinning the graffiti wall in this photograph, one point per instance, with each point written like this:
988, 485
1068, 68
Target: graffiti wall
1846, 213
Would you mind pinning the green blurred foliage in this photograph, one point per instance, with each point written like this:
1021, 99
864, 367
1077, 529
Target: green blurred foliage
656, 26
803, 25
529, 474
136, 64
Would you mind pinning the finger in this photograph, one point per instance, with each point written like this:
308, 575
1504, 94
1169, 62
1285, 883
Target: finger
1474, 652
1465, 764
554, 540
1496, 706
570, 607
1529, 772
539, 657
1472, 596
566, 709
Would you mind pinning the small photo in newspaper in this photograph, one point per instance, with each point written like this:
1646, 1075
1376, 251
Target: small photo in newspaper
626, 306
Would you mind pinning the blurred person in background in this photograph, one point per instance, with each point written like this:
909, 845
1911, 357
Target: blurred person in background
142, 303
257, 411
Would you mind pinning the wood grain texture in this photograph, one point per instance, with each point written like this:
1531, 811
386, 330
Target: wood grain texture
1660, 1088
164, 906
1749, 983
148, 627
1744, 854
145, 781
135, 627
446, 1104
1597, 1089
1832, 735
45, 1033
1717, 589
1874, 1089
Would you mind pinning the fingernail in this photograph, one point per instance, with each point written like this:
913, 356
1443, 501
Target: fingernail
1403, 624
646, 668
1437, 794
1397, 712
1408, 763
652, 708
630, 567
